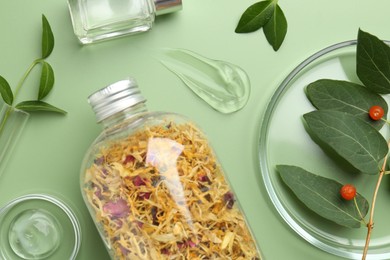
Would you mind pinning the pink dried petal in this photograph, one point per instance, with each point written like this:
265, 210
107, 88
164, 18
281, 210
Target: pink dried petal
191, 244
139, 224
99, 161
129, 158
98, 193
117, 209
119, 223
164, 251
144, 195
229, 199
181, 245
138, 181
124, 251
203, 178
104, 172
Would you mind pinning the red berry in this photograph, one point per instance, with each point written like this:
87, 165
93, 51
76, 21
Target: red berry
376, 112
348, 192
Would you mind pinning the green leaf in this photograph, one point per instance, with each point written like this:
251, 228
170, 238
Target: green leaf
357, 142
346, 97
322, 195
255, 16
47, 38
276, 28
36, 105
373, 62
47, 80
6, 92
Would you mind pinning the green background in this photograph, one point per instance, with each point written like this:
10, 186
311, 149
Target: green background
49, 153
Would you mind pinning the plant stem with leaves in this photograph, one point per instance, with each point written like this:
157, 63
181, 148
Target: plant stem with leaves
45, 86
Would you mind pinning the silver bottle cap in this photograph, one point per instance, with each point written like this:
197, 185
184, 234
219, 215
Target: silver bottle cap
115, 98
167, 6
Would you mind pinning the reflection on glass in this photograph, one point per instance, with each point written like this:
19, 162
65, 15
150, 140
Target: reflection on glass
12, 122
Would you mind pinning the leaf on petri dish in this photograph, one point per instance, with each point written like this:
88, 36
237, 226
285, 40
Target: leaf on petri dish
346, 97
322, 195
373, 62
357, 142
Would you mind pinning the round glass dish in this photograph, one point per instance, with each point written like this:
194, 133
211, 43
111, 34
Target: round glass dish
283, 140
38, 226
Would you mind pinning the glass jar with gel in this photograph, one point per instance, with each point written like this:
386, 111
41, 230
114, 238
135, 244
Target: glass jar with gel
38, 226
97, 20
154, 187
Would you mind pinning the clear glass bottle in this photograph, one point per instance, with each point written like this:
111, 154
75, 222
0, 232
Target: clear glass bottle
154, 186
97, 20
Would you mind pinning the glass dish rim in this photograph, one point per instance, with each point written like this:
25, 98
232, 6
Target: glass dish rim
262, 157
56, 202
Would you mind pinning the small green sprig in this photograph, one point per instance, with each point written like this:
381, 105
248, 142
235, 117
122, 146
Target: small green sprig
46, 81
267, 15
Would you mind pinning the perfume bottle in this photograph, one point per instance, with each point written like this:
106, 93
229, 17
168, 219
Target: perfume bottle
97, 20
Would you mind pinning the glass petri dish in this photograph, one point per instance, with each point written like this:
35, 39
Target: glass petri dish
38, 226
283, 140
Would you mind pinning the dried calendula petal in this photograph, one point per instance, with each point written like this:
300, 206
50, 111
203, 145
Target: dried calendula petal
159, 193
227, 240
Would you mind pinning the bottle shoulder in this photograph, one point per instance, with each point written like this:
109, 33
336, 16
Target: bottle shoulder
141, 122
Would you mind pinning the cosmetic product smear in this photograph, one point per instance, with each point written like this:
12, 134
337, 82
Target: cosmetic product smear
224, 86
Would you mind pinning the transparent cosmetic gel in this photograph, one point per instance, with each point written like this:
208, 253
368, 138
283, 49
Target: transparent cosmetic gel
224, 86
34, 234
97, 20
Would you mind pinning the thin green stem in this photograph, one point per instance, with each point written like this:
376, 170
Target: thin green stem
25, 75
16, 92
358, 209
5, 118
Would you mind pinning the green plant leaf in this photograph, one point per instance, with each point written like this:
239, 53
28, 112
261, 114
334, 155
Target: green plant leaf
36, 105
255, 16
346, 97
47, 80
276, 28
357, 142
6, 91
373, 62
47, 38
322, 195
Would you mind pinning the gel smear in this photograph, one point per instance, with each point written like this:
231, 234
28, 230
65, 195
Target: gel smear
224, 86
